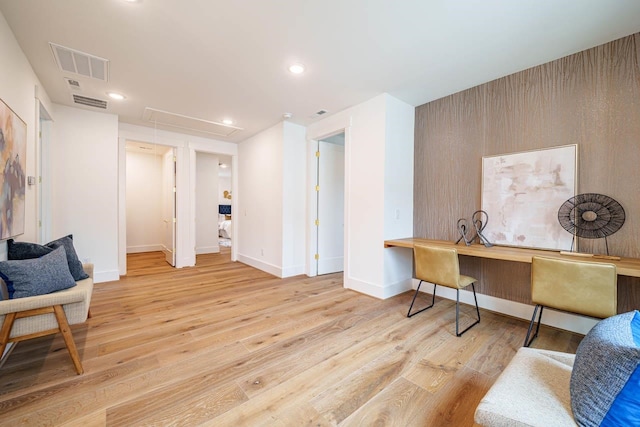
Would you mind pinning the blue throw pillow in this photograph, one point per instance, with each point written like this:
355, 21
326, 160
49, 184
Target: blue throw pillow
605, 381
37, 276
4, 292
25, 250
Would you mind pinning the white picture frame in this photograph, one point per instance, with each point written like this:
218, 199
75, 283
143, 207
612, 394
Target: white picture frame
522, 192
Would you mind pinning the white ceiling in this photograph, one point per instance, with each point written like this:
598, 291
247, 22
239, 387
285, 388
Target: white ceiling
212, 59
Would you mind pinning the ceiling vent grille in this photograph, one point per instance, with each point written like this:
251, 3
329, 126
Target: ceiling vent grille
73, 61
73, 84
189, 123
90, 102
319, 113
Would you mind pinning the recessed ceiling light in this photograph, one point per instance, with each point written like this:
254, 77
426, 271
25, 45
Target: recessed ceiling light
116, 96
222, 165
227, 122
296, 68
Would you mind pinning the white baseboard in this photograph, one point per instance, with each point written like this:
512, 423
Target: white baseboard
144, 248
376, 290
260, 265
557, 319
294, 270
208, 250
106, 276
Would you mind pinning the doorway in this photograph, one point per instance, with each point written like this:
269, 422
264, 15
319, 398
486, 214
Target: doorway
151, 199
212, 202
225, 196
330, 204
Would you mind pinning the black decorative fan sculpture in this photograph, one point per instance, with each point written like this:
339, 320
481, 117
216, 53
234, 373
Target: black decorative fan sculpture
592, 216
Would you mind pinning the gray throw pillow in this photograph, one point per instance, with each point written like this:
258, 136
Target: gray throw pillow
26, 250
605, 381
37, 276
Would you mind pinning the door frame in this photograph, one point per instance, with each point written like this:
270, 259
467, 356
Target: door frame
44, 124
122, 194
328, 198
193, 150
311, 266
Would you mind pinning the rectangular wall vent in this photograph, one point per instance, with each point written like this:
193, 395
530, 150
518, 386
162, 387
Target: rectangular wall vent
90, 102
73, 61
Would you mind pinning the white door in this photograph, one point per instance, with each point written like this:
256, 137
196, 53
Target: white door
330, 207
169, 206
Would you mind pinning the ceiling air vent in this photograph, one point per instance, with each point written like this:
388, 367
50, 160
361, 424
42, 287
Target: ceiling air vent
72, 84
73, 61
319, 113
90, 102
189, 123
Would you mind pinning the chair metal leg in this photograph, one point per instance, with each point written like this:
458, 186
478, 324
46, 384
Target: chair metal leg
433, 300
528, 342
459, 334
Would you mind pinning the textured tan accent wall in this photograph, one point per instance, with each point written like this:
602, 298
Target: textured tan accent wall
591, 99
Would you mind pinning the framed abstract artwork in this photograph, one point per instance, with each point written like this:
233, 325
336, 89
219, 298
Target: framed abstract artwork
522, 192
13, 149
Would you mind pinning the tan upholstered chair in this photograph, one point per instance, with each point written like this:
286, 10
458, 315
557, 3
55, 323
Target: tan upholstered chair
440, 266
37, 316
581, 287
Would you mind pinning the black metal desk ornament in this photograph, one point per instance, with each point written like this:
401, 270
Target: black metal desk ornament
479, 220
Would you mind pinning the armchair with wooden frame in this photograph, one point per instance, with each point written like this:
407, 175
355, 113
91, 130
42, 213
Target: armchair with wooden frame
37, 316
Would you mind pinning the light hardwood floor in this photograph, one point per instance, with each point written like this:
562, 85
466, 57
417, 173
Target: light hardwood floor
223, 344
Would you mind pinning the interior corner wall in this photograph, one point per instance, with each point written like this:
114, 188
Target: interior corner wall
224, 184
260, 200
293, 199
84, 182
206, 203
589, 98
19, 88
398, 194
372, 130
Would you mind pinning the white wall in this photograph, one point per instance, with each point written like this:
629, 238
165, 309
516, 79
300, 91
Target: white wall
378, 141
144, 202
19, 88
398, 193
258, 218
224, 184
293, 199
271, 200
84, 181
206, 203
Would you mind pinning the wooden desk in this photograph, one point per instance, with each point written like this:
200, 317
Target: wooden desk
625, 266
